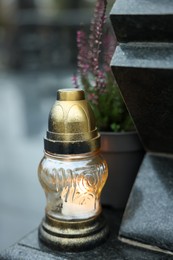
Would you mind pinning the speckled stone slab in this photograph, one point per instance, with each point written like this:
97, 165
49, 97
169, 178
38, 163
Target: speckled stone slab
144, 73
148, 217
144, 20
29, 248
143, 68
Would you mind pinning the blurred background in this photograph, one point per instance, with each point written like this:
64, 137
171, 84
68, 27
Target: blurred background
37, 56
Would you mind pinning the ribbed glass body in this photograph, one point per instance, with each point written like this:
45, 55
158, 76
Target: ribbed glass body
73, 184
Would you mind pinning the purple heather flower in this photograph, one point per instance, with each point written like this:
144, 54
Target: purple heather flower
75, 81
83, 65
93, 98
100, 82
96, 29
89, 52
109, 43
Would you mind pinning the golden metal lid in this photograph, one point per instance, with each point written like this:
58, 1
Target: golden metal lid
71, 128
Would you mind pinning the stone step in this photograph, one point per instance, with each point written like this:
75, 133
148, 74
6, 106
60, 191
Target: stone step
144, 55
131, 24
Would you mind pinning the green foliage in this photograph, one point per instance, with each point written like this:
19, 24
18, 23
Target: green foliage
109, 108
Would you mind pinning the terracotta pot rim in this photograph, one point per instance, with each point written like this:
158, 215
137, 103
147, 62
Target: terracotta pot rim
119, 133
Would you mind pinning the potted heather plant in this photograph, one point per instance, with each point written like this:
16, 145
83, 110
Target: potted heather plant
120, 143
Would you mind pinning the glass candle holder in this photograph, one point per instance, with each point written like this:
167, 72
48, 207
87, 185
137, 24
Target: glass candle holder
72, 174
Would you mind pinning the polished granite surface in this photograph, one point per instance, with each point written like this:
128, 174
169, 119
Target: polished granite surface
148, 215
29, 248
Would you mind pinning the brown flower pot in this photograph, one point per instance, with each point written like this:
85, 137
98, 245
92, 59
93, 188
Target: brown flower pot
123, 153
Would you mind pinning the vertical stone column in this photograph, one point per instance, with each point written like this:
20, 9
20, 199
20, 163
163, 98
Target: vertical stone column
143, 68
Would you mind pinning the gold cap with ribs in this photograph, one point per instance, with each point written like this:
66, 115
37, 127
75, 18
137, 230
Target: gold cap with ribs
72, 128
